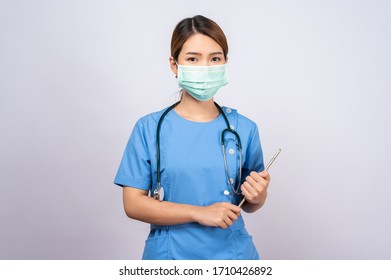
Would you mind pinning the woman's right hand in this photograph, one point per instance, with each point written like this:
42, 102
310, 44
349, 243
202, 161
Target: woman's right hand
220, 214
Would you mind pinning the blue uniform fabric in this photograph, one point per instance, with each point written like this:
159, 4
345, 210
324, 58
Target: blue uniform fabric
192, 172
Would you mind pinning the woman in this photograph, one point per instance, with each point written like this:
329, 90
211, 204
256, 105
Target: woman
176, 156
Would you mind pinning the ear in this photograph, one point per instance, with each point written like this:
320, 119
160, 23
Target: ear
226, 59
173, 66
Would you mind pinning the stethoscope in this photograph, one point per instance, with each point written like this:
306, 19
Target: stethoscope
158, 193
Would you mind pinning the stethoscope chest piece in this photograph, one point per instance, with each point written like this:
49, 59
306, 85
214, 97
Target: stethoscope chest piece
158, 193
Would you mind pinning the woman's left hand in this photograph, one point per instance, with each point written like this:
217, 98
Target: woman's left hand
254, 188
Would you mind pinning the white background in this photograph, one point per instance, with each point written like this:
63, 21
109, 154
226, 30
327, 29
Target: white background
76, 75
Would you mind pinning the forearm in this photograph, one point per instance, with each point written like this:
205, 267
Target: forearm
149, 210
138, 205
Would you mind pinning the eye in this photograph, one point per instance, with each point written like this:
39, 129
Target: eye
192, 59
216, 59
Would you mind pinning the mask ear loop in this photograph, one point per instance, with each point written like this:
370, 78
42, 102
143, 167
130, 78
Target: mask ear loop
176, 62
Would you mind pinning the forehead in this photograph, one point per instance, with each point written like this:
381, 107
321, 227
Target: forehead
201, 43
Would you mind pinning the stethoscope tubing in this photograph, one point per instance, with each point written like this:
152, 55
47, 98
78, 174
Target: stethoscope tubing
158, 140
157, 192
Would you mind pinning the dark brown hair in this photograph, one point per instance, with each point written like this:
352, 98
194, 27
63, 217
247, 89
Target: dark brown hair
198, 24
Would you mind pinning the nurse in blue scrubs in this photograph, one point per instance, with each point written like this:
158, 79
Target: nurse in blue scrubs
179, 177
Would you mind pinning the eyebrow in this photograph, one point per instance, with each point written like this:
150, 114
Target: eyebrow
196, 53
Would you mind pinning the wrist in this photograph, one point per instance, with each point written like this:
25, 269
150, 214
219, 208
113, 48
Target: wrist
193, 212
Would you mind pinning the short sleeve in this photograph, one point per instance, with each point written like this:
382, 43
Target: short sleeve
254, 155
135, 167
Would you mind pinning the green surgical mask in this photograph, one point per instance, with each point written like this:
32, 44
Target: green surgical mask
202, 82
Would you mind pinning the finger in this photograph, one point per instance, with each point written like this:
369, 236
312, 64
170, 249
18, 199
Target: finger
250, 179
236, 209
250, 190
249, 195
256, 176
232, 217
261, 177
265, 175
265, 178
244, 191
257, 186
222, 225
228, 221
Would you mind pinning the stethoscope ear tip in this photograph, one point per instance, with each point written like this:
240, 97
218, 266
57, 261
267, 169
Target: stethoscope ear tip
226, 192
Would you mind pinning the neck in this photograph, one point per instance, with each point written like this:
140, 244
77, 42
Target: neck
194, 110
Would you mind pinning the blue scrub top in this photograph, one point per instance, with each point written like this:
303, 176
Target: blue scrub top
192, 172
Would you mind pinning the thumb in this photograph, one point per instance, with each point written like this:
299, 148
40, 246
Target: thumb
265, 174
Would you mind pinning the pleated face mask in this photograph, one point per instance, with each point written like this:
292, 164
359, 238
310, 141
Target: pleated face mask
202, 82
